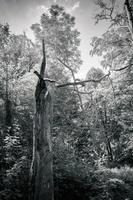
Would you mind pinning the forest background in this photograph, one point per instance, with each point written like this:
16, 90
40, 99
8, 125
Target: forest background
92, 133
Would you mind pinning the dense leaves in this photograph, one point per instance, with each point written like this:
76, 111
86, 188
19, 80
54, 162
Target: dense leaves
92, 129
61, 39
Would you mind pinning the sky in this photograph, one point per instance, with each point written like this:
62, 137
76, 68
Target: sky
21, 14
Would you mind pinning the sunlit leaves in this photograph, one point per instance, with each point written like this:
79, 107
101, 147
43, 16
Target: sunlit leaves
60, 36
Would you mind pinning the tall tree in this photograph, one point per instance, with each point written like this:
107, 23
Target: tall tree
17, 56
61, 39
115, 48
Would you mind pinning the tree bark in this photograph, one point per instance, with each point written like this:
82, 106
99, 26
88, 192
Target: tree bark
8, 104
103, 116
129, 13
8, 113
41, 168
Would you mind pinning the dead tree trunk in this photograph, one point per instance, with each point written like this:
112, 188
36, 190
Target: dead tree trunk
41, 168
129, 13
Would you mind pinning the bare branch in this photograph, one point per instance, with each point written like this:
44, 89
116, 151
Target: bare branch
74, 79
83, 82
120, 69
50, 80
71, 83
38, 75
65, 65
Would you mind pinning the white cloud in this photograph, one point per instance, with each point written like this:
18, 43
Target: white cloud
74, 7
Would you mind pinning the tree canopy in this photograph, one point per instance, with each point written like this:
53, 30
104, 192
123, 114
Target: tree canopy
91, 124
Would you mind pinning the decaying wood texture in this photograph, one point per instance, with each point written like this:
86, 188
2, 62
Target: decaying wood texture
41, 167
129, 12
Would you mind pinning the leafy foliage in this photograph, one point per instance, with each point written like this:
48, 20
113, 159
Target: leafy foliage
61, 39
92, 146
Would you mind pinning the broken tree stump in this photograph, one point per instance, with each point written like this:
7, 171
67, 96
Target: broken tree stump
41, 167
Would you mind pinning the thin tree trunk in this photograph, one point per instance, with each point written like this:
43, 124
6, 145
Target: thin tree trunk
8, 104
107, 137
